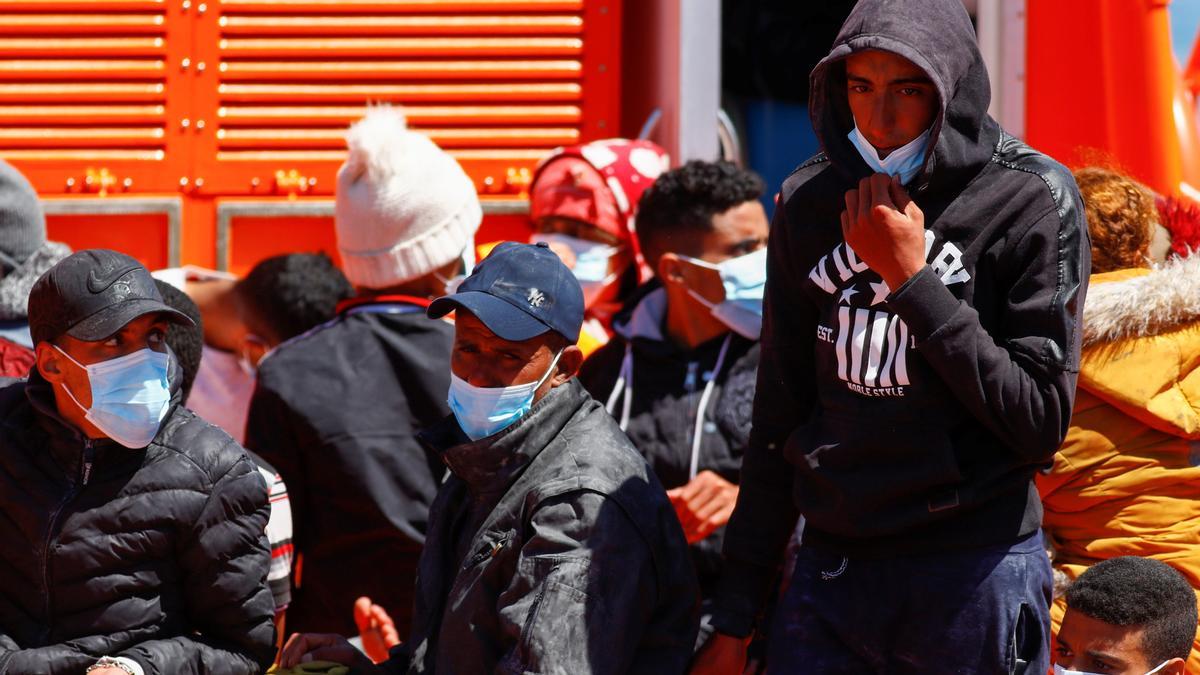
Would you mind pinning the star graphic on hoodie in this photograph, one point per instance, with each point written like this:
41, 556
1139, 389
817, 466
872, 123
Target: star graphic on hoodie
847, 293
881, 292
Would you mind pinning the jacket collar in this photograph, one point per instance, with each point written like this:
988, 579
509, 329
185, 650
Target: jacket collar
1138, 303
491, 464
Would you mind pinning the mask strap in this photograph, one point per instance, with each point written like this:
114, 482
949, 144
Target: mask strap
1159, 667
64, 384
549, 370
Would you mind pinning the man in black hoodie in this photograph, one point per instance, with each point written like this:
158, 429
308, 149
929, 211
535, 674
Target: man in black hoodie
926, 276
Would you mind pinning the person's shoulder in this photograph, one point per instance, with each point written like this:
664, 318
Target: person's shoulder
602, 456
1022, 161
812, 176
204, 446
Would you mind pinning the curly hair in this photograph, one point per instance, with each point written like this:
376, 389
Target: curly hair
1142, 593
1121, 215
684, 200
291, 294
187, 342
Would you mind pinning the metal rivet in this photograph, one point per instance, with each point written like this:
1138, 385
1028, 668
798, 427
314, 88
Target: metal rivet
183, 181
127, 183
185, 63
185, 123
199, 183
199, 124
200, 66
187, 4
312, 182
255, 182
70, 183
202, 8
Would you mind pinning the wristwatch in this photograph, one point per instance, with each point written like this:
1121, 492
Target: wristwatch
110, 662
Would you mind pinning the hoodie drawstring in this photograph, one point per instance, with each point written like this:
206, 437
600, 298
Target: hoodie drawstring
693, 469
624, 385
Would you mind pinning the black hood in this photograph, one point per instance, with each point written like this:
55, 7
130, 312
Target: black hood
938, 37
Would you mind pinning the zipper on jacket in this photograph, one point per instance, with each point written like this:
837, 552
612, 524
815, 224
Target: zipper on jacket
85, 472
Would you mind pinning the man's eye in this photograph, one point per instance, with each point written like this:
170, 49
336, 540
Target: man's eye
858, 88
909, 91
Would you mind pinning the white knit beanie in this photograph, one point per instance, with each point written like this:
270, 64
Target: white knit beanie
404, 207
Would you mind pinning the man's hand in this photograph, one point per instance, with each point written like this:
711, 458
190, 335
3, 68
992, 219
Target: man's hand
376, 628
306, 647
885, 228
704, 504
721, 655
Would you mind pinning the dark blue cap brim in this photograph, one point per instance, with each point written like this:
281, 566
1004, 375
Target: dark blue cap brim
502, 318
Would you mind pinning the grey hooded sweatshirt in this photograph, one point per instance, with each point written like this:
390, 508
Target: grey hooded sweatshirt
912, 419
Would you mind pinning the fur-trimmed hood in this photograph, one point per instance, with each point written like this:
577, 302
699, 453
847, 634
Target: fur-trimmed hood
1142, 343
1142, 303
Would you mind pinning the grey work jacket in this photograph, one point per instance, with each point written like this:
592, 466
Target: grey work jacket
552, 548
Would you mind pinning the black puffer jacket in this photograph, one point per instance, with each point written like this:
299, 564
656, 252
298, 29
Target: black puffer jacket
552, 549
336, 411
158, 555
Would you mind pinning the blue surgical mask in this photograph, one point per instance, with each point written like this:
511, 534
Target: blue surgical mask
744, 279
904, 161
483, 411
130, 395
1059, 670
592, 262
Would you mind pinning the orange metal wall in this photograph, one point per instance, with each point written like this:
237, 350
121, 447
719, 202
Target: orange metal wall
1102, 86
213, 102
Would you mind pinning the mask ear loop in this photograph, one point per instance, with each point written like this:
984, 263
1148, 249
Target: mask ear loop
67, 389
700, 412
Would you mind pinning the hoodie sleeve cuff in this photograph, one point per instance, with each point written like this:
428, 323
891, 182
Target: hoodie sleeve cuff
924, 303
740, 596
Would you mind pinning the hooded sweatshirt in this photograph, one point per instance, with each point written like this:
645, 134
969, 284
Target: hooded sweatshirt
910, 420
1124, 481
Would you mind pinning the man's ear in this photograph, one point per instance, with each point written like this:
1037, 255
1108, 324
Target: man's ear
1175, 666
49, 362
670, 268
568, 365
253, 348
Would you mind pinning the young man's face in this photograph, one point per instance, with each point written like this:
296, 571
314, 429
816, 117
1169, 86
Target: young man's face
1093, 646
740, 230
893, 101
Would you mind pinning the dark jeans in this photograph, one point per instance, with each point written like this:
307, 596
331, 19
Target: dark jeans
974, 612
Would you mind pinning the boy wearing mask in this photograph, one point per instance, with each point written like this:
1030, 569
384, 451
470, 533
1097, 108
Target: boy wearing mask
679, 372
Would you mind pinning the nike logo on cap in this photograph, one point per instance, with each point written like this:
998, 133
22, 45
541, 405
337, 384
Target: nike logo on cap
98, 284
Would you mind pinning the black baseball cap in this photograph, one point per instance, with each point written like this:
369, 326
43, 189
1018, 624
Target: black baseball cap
519, 291
91, 295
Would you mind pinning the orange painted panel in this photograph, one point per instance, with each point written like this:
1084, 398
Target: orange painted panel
143, 236
1103, 90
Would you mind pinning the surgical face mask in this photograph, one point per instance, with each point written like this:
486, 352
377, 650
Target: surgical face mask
592, 262
904, 161
130, 395
744, 279
483, 411
1059, 670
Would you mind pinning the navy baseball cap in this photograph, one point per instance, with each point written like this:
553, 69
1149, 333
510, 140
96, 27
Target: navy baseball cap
519, 291
92, 294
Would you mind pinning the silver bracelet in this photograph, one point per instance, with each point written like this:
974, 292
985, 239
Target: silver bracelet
109, 662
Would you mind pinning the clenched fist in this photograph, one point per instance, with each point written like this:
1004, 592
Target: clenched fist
886, 228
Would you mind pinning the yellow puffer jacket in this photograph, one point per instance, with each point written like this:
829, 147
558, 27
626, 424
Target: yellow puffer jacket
1126, 480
